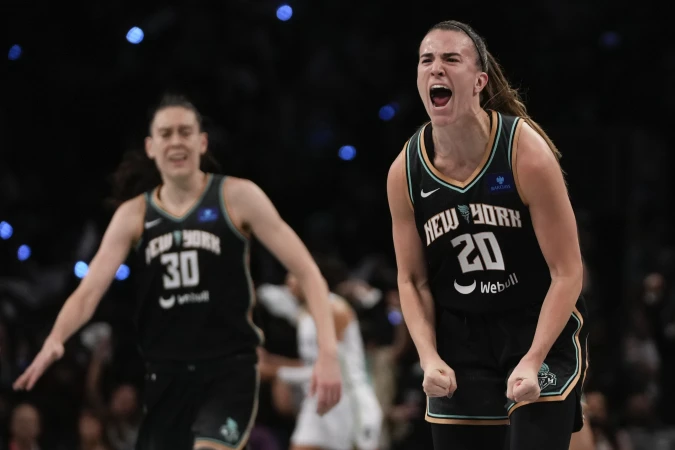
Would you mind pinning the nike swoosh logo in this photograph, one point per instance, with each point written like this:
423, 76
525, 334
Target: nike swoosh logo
152, 223
426, 194
465, 289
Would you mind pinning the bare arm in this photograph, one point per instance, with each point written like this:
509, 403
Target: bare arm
252, 209
343, 314
416, 300
124, 229
542, 188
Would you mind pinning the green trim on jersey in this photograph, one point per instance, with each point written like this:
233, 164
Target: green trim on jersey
223, 209
511, 138
407, 170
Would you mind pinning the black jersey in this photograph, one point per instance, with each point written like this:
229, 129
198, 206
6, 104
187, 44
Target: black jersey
195, 293
481, 251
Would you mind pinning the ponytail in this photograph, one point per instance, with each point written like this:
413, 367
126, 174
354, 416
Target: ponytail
501, 97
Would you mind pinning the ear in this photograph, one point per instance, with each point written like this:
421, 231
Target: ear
481, 82
148, 147
203, 143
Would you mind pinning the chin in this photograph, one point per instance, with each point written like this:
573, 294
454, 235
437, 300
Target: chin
447, 115
179, 173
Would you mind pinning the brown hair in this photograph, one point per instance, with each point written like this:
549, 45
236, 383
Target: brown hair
137, 173
498, 94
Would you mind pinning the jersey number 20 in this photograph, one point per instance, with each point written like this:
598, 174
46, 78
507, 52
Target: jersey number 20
182, 269
492, 258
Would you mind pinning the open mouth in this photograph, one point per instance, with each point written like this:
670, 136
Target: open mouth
440, 95
177, 157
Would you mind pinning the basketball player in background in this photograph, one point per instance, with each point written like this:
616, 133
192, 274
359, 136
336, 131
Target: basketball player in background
191, 232
490, 268
356, 421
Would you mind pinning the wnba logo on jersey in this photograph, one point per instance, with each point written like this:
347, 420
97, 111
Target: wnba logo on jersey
546, 377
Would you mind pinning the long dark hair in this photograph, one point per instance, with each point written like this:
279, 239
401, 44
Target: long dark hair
498, 94
137, 173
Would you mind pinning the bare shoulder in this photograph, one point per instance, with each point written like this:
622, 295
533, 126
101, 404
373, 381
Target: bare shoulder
533, 153
535, 165
400, 202
235, 186
131, 213
241, 192
246, 204
134, 207
397, 170
341, 308
128, 219
343, 315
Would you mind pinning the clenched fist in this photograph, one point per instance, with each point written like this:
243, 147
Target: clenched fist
439, 379
523, 384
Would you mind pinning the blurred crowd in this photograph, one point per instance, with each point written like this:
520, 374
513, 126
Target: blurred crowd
280, 99
92, 398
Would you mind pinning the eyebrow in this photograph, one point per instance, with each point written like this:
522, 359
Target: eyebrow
444, 55
180, 127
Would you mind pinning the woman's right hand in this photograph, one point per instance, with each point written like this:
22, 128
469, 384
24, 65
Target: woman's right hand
52, 350
439, 379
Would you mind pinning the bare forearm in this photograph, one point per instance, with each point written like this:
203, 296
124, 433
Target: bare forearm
75, 313
418, 311
555, 313
316, 293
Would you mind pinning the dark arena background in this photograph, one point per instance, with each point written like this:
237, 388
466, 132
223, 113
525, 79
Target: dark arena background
313, 100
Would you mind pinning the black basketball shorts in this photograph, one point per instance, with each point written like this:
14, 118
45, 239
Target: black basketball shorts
211, 403
483, 350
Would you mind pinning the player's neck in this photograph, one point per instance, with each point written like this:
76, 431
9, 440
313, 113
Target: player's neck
178, 192
463, 140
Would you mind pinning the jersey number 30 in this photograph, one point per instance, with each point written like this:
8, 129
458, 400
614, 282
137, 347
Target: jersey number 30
182, 269
491, 257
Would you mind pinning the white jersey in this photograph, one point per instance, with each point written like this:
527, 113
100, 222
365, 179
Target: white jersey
356, 419
350, 350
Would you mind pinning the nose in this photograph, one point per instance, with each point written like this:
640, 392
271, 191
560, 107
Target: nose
174, 139
437, 68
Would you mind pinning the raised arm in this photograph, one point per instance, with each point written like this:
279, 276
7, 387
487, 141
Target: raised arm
416, 301
250, 209
125, 228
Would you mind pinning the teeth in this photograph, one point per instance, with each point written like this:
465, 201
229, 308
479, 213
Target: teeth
439, 86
